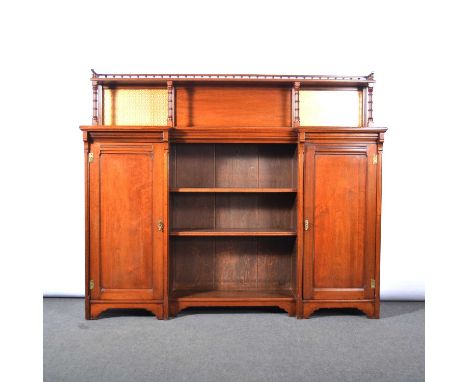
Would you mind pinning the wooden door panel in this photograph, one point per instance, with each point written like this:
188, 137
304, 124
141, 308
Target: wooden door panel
339, 220
125, 204
126, 215
339, 247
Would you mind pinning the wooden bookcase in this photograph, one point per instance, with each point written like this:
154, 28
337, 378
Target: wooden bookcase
209, 190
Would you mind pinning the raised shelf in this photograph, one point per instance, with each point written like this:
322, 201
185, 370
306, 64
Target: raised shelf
232, 232
233, 189
243, 295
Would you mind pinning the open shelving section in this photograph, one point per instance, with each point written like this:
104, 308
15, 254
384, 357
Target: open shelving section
232, 224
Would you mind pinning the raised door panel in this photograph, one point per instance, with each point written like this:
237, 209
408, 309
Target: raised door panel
126, 203
340, 202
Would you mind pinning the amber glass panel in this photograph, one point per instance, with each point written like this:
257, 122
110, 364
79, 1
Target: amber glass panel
141, 107
330, 107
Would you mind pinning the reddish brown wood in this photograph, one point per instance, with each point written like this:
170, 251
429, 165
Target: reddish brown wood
370, 110
186, 299
241, 184
368, 307
300, 226
250, 134
231, 232
342, 204
296, 120
98, 307
337, 197
238, 211
240, 168
126, 252
232, 263
95, 103
170, 103
87, 253
164, 199
232, 189
200, 105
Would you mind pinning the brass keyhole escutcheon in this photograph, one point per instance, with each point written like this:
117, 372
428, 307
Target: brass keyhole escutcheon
160, 226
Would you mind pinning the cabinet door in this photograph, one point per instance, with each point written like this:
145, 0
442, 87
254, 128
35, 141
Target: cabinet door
340, 206
126, 204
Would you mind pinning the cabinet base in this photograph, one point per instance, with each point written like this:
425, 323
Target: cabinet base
370, 308
177, 306
96, 308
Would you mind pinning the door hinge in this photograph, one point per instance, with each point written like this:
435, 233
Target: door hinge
91, 284
90, 158
375, 159
161, 226
306, 225
372, 283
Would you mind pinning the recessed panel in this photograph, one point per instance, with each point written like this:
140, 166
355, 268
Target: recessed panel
330, 107
137, 107
126, 198
233, 106
339, 221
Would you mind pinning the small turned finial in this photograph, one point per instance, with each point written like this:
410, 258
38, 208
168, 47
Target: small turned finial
94, 73
371, 76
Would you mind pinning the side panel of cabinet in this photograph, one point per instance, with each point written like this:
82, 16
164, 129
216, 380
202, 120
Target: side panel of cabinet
126, 200
340, 204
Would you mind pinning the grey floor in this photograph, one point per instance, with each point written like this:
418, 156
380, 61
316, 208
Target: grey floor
233, 345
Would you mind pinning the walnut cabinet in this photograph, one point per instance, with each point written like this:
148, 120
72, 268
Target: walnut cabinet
232, 190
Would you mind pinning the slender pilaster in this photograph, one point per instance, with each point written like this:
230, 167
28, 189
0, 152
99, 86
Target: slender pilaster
95, 97
170, 104
370, 107
296, 120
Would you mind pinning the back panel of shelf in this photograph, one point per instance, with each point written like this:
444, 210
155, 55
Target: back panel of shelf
249, 211
233, 166
232, 264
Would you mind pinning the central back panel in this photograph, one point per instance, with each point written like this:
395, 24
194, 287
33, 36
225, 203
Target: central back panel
203, 105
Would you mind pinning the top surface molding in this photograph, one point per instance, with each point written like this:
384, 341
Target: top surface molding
101, 77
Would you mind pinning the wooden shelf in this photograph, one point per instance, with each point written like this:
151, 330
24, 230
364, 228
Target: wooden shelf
228, 295
232, 189
232, 232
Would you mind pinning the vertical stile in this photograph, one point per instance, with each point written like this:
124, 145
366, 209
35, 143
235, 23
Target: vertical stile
170, 104
370, 108
296, 122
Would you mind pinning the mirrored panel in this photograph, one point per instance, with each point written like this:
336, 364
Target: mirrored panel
139, 107
330, 107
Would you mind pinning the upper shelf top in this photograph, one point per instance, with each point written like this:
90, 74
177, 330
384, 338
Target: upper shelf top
106, 78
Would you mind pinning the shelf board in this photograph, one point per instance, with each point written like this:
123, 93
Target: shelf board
232, 232
228, 295
233, 189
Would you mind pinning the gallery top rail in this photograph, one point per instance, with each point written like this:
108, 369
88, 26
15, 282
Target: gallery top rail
303, 79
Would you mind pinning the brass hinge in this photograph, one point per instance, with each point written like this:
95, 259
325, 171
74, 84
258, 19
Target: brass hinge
375, 159
90, 158
306, 225
91, 284
161, 226
372, 283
